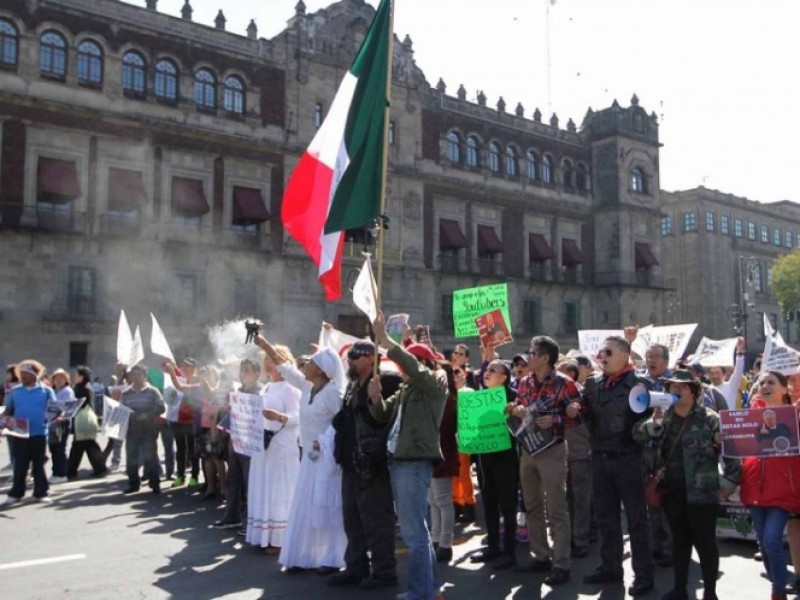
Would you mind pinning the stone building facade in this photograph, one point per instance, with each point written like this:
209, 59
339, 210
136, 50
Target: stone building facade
143, 158
721, 249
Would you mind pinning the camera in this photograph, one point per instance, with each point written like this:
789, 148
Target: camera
253, 330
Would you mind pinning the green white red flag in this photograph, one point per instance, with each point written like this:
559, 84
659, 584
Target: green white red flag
336, 186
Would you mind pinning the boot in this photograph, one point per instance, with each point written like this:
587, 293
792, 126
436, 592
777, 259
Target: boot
467, 514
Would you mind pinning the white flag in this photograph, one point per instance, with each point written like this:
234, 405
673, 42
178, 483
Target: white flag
715, 353
158, 341
769, 331
333, 338
137, 349
124, 339
364, 292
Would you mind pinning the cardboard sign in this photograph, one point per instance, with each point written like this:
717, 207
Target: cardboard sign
674, 337
246, 427
591, 340
395, 325
14, 427
481, 421
532, 439
422, 335
116, 418
760, 432
778, 356
493, 330
474, 302
715, 353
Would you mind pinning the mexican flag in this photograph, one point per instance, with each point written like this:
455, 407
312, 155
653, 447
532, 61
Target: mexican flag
337, 183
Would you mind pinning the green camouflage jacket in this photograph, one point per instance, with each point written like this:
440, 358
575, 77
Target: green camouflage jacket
701, 442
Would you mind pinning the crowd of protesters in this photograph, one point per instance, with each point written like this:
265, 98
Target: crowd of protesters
349, 456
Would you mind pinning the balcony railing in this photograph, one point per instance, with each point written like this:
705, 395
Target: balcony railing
246, 238
121, 224
187, 230
451, 264
643, 279
488, 267
78, 308
44, 216
539, 271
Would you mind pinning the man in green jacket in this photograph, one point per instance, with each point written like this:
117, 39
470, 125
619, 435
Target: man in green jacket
414, 414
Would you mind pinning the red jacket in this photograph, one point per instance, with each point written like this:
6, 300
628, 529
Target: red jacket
771, 481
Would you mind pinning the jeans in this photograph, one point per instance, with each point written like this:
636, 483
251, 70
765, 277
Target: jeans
184, 441
114, 450
140, 446
29, 452
770, 523
440, 499
411, 480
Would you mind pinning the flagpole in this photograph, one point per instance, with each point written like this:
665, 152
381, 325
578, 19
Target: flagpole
385, 168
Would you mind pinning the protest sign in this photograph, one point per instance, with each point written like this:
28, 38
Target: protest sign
115, 419
474, 302
532, 439
395, 325
778, 355
422, 335
760, 432
14, 427
591, 340
481, 421
715, 353
493, 330
246, 427
674, 337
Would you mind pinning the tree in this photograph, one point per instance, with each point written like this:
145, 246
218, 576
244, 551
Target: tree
786, 281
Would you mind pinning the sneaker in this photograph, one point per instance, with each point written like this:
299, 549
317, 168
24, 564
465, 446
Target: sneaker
242, 531
55, 479
43, 499
114, 467
444, 555
177, 482
224, 525
10, 501
193, 483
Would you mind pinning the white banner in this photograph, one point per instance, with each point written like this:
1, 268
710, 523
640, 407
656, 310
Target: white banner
715, 353
115, 419
674, 337
591, 340
333, 338
124, 339
247, 431
158, 341
779, 356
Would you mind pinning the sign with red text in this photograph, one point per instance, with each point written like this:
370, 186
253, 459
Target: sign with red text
246, 427
760, 432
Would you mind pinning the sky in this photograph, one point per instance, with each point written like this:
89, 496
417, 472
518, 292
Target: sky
721, 75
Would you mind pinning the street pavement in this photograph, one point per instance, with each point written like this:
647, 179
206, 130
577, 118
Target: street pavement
94, 543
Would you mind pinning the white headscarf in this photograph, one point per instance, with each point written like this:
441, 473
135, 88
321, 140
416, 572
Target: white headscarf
329, 363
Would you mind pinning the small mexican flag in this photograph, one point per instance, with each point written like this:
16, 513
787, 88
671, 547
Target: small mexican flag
337, 183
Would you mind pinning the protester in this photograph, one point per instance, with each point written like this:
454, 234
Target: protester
463, 488
414, 414
183, 425
315, 537
730, 388
10, 381
273, 472
687, 443
85, 441
768, 489
519, 368
617, 466
367, 503
58, 430
213, 398
113, 447
29, 401
141, 448
546, 398
498, 478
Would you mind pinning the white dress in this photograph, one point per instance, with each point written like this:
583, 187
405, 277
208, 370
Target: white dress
311, 541
273, 474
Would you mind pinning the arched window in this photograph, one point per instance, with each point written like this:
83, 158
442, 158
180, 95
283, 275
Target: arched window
454, 147
473, 155
205, 89
133, 73
233, 95
547, 169
533, 165
90, 62
53, 54
637, 181
494, 157
569, 174
166, 80
511, 161
8, 43
582, 177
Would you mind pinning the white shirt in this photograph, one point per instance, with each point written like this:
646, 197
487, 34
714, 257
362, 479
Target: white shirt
730, 389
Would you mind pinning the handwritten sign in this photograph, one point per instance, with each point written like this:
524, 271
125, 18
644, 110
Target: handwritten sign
481, 422
760, 432
715, 353
474, 302
493, 330
246, 427
115, 419
674, 337
778, 356
591, 340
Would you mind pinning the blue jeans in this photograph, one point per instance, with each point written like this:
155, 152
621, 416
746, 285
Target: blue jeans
411, 480
770, 523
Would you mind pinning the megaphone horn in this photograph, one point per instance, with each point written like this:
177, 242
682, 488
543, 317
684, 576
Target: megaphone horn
640, 399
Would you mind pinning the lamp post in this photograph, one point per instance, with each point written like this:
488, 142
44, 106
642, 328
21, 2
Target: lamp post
748, 269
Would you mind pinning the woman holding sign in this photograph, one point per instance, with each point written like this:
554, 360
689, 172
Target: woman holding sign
771, 490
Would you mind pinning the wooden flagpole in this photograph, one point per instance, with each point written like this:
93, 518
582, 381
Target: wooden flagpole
385, 169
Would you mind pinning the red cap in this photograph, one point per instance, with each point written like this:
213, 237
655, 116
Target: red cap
422, 351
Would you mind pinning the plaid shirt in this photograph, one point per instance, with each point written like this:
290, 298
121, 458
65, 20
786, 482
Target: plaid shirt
549, 397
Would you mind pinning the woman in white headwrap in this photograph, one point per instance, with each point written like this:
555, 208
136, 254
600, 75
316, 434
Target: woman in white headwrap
315, 537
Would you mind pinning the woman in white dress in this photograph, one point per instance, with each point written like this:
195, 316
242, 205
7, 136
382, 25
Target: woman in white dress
273, 473
315, 537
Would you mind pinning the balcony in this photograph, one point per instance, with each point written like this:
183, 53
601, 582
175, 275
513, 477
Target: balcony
449, 263
539, 271
44, 216
247, 238
488, 267
187, 229
640, 279
121, 224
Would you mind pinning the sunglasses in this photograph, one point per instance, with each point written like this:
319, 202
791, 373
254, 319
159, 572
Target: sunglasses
607, 352
494, 371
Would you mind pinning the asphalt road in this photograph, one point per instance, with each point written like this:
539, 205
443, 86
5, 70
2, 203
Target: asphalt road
94, 543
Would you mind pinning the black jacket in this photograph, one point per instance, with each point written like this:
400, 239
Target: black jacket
611, 419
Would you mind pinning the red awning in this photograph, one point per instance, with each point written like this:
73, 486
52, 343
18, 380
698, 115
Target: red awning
450, 235
488, 242
188, 196
57, 179
248, 206
644, 255
539, 247
125, 189
570, 253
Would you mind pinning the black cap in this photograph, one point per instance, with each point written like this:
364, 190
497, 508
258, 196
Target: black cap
361, 348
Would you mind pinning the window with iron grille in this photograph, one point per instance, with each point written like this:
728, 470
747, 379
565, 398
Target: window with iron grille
572, 317
78, 354
81, 291
533, 315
